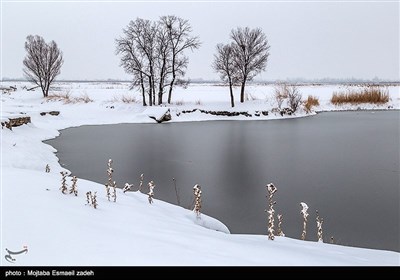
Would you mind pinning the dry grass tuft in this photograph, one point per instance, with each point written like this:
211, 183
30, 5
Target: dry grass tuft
369, 94
179, 103
67, 99
310, 102
128, 99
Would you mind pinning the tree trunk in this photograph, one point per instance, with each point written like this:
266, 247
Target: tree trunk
171, 85
143, 91
46, 94
150, 93
242, 91
231, 92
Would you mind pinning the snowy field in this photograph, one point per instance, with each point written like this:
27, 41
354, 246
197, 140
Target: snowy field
59, 229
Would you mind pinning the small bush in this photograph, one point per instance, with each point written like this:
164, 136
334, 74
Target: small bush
64, 97
84, 98
374, 95
280, 94
294, 98
311, 102
67, 99
179, 103
128, 99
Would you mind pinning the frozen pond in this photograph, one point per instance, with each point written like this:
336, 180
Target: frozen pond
345, 164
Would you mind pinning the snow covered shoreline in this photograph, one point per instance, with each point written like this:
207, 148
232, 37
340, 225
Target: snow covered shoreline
60, 229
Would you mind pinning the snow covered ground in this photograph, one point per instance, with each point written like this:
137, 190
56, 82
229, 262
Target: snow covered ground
59, 229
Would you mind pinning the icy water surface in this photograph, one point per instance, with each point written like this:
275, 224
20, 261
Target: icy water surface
344, 164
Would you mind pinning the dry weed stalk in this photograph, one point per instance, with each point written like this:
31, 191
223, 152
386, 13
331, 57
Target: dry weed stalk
74, 187
141, 182
114, 194
47, 168
63, 187
271, 191
110, 171
151, 191
197, 197
305, 215
280, 220
127, 187
319, 227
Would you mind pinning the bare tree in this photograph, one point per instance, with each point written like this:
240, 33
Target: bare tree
225, 66
251, 54
179, 37
42, 63
294, 97
137, 50
153, 53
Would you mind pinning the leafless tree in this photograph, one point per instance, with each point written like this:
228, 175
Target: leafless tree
225, 66
42, 63
251, 54
153, 53
179, 36
137, 48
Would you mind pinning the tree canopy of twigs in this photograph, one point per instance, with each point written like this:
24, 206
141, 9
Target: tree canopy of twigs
251, 52
42, 63
224, 64
153, 53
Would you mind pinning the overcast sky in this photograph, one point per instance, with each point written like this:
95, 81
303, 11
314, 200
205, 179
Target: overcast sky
308, 39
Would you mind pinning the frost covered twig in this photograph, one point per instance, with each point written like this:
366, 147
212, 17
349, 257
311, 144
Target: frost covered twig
280, 231
110, 171
114, 194
319, 227
91, 199
94, 200
305, 215
88, 198
151, 191
271, 191
197, 198
141, 182
176, 192
63, 187
74, 188
127, 187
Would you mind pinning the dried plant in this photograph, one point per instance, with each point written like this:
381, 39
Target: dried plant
280, 93
127, 187
305, 215
94, 200
63, 187
114, 194
47, 169
294, 98
141, 182
310, 102
176, 192
151, 191
74, 187
319, 227
197, 197
88, 198
368, 94
280, 220
91, 199
110, 171
271, 191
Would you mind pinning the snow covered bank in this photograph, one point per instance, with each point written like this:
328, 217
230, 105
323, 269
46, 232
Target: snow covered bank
60, 229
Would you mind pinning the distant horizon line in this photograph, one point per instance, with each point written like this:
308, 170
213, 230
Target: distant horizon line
201, 80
